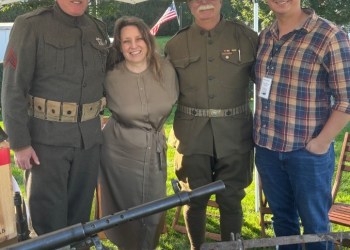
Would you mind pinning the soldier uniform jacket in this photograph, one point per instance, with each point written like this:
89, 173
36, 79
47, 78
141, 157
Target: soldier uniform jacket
58, 57
213, 68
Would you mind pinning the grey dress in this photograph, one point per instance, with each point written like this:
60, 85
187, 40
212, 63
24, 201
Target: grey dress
133, 159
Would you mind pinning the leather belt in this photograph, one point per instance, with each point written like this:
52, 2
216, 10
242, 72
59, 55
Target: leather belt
213, 112
64, 111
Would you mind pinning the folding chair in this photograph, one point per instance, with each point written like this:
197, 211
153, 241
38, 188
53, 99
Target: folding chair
340, 212
264, 210
182, 229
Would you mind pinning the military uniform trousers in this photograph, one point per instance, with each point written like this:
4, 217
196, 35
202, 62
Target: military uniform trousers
197, 170
75, 169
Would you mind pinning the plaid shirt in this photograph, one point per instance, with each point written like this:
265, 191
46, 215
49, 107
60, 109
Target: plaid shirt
310, 71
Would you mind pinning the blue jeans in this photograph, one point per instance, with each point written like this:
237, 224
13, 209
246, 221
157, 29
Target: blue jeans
297, 185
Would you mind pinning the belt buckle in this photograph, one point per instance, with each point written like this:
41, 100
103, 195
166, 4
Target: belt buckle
215, 112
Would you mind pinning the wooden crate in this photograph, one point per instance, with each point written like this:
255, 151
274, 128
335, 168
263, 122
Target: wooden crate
8, 229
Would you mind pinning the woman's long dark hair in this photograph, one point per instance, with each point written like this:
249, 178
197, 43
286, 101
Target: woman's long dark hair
115, 54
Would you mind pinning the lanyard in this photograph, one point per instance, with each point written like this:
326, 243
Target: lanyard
276, 49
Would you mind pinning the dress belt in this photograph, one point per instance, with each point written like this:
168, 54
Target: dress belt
213, 112
64, 111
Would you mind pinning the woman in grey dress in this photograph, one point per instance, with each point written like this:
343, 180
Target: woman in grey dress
141, 89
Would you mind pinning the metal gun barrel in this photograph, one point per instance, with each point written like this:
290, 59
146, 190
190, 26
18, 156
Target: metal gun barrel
80, 231
21, 218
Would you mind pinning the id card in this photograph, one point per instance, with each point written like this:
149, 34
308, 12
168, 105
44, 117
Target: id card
265, 87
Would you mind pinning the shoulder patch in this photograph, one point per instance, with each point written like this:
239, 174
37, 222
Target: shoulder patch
37, 12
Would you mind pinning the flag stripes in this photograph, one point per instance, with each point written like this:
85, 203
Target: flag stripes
169, 14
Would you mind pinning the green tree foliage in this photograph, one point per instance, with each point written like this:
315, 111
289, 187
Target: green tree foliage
110, 10
150, 12
9, 12
244, 9
333, 10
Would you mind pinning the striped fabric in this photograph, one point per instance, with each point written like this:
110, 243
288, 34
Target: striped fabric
310, 71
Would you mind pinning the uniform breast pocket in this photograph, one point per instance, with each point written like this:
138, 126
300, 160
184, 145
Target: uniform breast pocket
237, 65
186, 68
183, 63
100, 53
237, 56
57, 54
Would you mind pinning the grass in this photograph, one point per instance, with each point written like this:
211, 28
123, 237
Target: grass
161, 43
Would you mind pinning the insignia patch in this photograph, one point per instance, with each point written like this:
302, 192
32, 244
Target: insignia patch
101, 42
227, 53
11, 59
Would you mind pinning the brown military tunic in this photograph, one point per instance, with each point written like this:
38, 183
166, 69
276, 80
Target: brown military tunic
213, 69
61, 58
56, 57
213, 121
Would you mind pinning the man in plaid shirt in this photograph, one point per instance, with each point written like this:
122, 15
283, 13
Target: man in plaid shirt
303, 91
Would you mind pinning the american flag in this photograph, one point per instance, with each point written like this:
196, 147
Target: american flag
168, 15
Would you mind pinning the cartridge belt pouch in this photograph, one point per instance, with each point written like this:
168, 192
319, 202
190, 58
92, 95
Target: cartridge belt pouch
213, 112
49, 110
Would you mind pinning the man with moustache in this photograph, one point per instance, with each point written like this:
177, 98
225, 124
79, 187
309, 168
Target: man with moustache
52, 94
303, 91
213, 123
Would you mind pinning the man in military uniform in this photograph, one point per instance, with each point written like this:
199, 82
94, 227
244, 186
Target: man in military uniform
213, 122
52, 94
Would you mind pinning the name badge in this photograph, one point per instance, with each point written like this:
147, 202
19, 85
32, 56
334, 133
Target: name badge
265, 87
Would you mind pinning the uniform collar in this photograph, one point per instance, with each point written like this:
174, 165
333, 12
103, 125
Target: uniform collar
216, 30
70, 20
308, 26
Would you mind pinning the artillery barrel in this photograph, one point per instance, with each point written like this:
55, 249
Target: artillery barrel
80, 231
